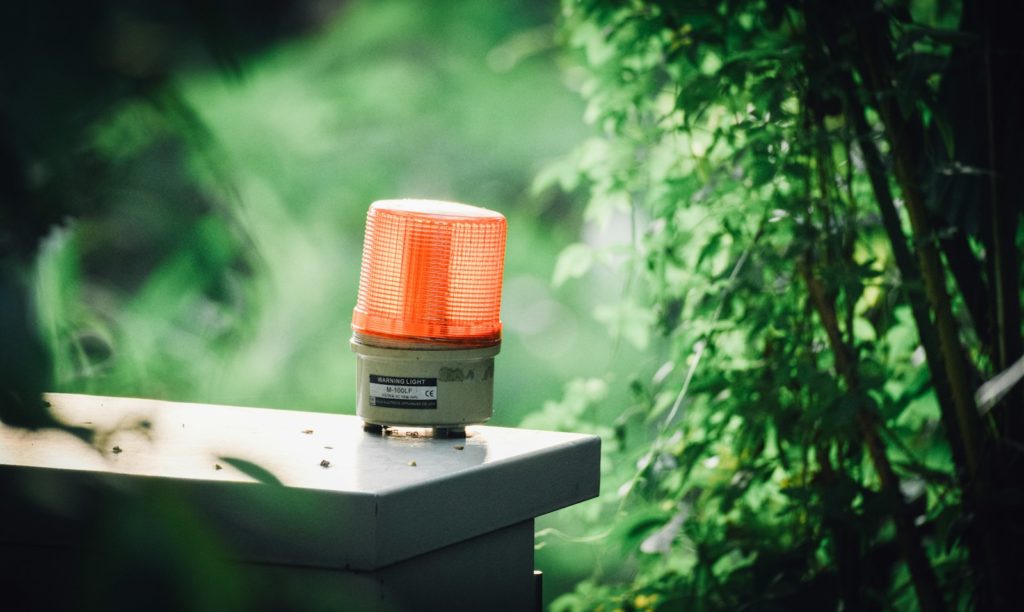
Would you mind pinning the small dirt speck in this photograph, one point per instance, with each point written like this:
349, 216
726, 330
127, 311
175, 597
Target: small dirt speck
307, 431
329, 447
460, 447
414, 434
116, 450
412, 463
217, 466
325, 463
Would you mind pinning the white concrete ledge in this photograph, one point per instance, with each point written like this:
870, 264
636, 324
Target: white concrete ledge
378, 501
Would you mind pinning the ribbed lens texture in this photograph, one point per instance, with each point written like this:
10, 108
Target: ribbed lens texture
431, 271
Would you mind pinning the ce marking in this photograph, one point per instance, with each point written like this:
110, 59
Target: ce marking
431, 393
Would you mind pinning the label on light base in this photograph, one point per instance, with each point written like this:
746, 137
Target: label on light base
403, 392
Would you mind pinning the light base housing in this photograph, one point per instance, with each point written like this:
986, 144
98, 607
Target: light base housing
424, 386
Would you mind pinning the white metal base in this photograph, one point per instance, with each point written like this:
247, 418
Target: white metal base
442, 388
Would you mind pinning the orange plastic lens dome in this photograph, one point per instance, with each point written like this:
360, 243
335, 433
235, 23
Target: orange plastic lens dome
431, 271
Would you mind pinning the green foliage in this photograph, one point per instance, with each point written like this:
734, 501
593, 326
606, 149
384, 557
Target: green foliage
747, 471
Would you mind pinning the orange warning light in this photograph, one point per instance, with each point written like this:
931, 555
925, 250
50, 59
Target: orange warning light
431, 272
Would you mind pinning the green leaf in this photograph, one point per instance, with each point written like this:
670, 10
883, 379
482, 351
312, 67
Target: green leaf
574, 261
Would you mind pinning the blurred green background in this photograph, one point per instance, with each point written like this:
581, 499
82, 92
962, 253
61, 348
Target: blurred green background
216, 256
225, 269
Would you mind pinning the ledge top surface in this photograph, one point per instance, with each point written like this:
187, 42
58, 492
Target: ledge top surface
306, 450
